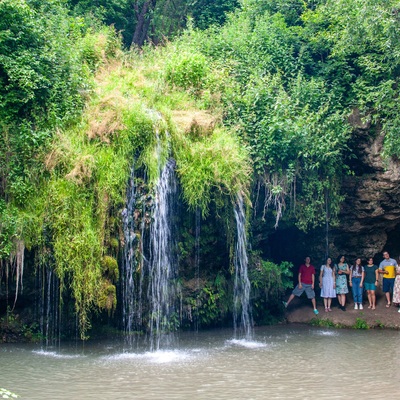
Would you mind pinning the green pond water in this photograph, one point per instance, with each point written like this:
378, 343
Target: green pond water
281, 362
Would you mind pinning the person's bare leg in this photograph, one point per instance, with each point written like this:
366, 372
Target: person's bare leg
291, 297
373, 299
369, 298
387, 294
314, 303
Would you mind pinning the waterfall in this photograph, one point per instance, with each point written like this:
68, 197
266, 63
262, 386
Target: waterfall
242, 284
149, 266
197, 265
128, 286
162, 265
47, 305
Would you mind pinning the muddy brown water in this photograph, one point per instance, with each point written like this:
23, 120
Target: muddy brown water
281, 362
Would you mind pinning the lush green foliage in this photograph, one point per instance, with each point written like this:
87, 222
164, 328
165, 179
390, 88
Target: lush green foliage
187, 70
297, 69
13, 329
8, 228
263, 99
293, 124
269, 282
45, 79
164, 19
216, 162
363, 36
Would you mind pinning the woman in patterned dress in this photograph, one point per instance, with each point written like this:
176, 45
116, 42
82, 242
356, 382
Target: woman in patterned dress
327, 283
342, 289
396, 288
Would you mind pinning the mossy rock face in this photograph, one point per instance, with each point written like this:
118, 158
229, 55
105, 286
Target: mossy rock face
114, 243
107, 296
110, 267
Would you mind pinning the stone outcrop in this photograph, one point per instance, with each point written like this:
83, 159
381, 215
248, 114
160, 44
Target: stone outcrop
369, 220
370, 214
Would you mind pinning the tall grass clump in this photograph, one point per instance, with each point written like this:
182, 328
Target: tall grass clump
187, 70
214, 166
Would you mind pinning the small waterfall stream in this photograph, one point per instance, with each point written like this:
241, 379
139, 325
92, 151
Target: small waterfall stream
48, 306
150, 267
162, 265
129, 262
197, 265
243, 325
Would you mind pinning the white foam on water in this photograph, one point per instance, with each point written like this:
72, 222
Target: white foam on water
249, 344
326, 333
54, 354
156, 357
196, 350
160, 356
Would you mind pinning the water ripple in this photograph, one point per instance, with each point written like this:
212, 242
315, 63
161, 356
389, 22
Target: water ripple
54, 354
249, 344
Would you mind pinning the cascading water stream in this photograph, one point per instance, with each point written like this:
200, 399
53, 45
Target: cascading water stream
162, 265
128, 286
241, 305
48, 306
197, 265
150, 268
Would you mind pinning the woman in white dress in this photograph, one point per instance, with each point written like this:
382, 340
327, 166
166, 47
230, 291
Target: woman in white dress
327, 283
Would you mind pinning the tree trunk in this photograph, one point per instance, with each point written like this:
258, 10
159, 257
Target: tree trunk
142, 11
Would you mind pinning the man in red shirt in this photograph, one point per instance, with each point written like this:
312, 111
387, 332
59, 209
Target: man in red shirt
306, 283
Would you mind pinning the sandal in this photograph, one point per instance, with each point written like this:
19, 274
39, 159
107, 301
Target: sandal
326, 309
387, 305
329, 309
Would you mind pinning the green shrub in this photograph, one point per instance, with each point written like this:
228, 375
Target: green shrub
325, 323
269, 282
360, 324
97, 47
187, 70
270, 279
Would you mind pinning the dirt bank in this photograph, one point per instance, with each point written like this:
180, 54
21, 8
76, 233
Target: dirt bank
300, 311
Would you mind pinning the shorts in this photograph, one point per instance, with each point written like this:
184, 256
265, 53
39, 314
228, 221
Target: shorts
388, 284
305, 287
369, 286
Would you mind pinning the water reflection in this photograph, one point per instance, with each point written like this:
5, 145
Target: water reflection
282, 362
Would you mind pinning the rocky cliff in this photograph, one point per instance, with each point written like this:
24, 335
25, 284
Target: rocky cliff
370, 214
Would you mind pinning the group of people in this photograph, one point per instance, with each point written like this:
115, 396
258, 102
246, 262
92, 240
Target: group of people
335, 279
